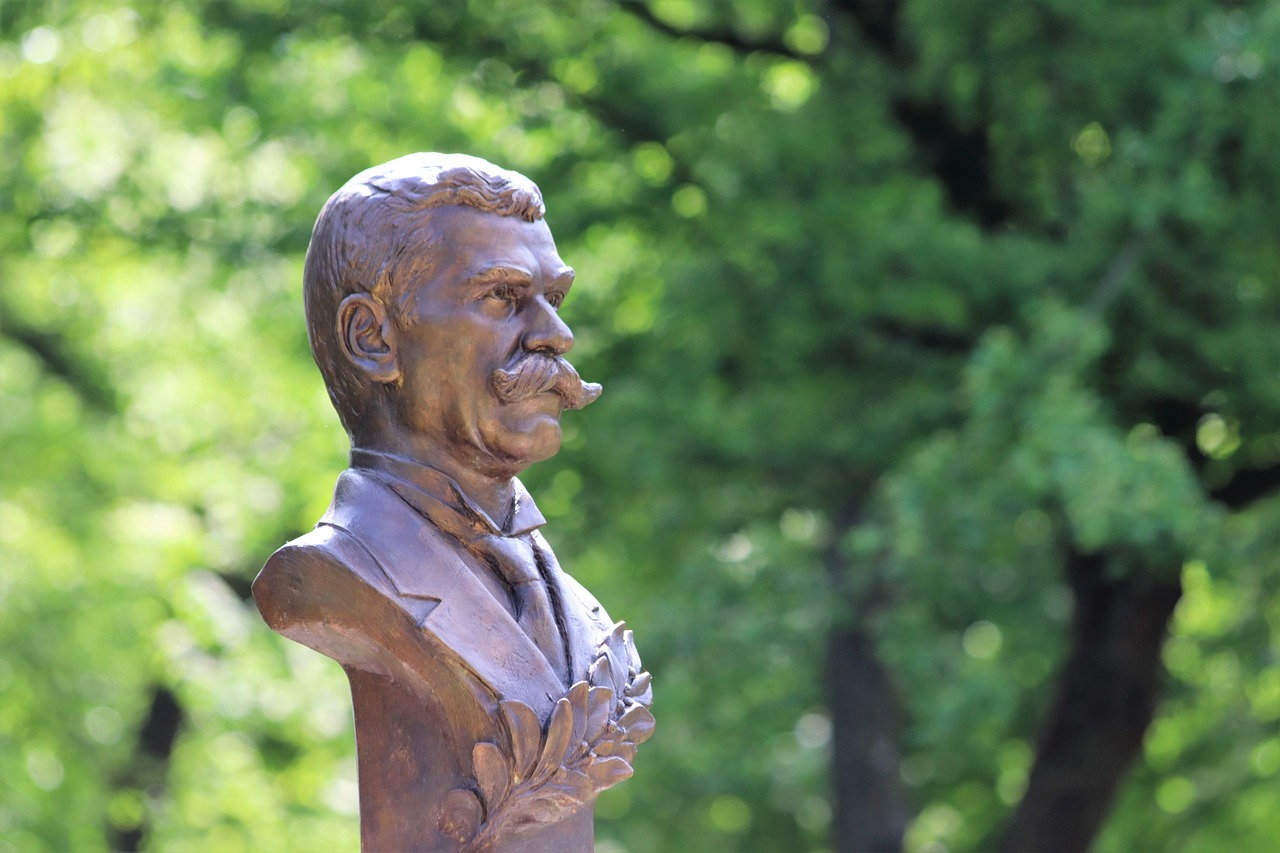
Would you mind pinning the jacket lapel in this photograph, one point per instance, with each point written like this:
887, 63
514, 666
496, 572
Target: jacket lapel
585, 622
434, 582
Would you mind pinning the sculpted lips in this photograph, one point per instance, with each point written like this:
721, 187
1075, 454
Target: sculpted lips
536, 373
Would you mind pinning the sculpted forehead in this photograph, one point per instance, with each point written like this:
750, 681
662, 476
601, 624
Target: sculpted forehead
469, 242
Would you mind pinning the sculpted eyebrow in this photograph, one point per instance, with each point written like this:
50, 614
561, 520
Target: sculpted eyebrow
500, 275
564, 280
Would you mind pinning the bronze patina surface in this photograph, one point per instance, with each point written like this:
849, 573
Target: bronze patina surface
494, 698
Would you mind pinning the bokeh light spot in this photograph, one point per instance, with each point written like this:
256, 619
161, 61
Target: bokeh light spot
982, 640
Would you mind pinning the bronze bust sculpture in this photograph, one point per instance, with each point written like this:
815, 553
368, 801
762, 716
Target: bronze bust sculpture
494, 699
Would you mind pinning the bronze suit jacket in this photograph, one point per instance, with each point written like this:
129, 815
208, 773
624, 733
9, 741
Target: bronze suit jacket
438, 666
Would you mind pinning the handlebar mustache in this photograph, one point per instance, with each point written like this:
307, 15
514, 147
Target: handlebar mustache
538, 372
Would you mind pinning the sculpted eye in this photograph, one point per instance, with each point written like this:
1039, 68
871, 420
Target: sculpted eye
503, 293
556, 299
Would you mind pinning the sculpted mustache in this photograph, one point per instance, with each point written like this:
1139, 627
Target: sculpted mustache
536, 373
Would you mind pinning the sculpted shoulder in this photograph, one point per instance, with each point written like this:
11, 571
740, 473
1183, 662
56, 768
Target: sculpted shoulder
323, 590
315, 565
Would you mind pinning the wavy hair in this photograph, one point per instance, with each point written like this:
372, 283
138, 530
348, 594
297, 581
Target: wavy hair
373, 236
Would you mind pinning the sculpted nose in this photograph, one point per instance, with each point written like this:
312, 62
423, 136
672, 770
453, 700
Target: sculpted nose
547, 332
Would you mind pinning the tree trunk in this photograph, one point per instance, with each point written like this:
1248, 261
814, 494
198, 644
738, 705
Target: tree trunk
156, 740
870, 807
1107, 696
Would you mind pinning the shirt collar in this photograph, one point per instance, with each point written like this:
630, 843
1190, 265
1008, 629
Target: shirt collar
522, 518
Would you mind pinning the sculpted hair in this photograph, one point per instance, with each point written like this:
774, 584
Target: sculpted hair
373, 236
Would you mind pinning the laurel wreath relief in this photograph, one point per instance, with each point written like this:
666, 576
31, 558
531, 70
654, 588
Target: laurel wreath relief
535, 775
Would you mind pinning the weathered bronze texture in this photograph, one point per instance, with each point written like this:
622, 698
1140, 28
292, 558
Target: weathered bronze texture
494, 698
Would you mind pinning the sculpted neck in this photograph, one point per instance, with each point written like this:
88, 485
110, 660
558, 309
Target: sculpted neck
492, 493
490, 486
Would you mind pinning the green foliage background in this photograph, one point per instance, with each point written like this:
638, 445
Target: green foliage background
825, 336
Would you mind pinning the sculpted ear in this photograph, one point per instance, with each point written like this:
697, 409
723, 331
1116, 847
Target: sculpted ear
367, 337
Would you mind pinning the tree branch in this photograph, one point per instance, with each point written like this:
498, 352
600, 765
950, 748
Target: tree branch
932, 338
1108, 692
1247, 486
1117, 273
878, 22
959, 158
1177, 419
50, 350
726, 37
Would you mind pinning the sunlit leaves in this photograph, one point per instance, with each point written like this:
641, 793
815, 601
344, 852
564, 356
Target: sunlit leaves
795, 316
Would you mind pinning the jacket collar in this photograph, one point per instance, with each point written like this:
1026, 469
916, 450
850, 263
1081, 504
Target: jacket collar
424, 566
439, 491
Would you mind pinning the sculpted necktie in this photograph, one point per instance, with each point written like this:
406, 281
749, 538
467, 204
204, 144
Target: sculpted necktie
516, 562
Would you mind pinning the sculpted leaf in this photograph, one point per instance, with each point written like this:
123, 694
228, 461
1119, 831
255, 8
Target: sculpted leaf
633, 656
535, 810
602, 673
459, 816
640, 690
619, 748
588, 745
638, 723
569, 788
559, 730
606, 772
526, 736
493, 774
577, 697
619, 662
564, 798
577, 781
599, 704
618, 635
614, 646
606, 671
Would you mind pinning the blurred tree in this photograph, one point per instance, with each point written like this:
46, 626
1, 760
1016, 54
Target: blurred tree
941, 431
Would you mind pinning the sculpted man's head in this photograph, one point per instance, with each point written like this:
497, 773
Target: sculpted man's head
432, 289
